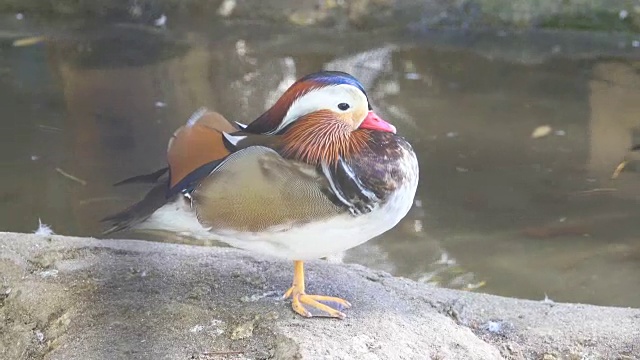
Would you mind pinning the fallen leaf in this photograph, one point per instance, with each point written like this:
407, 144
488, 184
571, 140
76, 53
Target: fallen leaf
541, 131
28, 41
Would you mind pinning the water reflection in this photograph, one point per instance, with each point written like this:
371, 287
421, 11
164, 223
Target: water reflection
524, 216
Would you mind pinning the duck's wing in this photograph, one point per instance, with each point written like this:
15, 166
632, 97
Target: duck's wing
194, 150
255, 189
339, 180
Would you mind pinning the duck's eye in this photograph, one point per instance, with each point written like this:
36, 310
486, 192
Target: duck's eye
343, 106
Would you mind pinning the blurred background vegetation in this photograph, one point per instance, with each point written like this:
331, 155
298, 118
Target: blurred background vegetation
606, 15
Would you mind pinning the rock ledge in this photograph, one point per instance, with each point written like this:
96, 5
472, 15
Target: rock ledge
81, 298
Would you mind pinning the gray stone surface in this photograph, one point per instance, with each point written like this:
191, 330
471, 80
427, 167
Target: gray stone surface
83, 298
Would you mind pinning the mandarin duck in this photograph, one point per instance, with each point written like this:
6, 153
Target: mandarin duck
316, 174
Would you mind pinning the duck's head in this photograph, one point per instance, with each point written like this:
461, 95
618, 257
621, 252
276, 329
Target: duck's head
321, 117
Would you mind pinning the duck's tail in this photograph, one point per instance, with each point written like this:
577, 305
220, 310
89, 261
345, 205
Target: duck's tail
140, 211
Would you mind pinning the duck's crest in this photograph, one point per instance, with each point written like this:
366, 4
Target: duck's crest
268, 122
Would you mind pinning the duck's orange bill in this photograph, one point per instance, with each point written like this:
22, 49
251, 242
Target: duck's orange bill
374, 122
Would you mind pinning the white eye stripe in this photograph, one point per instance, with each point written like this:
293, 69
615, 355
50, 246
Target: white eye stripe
322, 98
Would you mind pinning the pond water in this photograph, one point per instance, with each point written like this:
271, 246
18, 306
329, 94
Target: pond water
498, 209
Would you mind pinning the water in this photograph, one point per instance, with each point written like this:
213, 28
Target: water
496, 209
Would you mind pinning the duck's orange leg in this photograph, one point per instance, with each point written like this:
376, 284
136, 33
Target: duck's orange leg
299, 298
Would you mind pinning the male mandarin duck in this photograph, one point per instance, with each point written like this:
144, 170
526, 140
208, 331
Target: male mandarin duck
316, 174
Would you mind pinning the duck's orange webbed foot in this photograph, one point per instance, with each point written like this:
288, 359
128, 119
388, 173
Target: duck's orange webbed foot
299, 298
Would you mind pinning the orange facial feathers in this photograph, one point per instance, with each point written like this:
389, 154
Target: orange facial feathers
320, 136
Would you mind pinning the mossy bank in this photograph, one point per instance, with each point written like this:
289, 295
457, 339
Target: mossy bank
600, 15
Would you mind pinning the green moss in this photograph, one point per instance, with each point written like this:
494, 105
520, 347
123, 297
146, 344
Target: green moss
595, 21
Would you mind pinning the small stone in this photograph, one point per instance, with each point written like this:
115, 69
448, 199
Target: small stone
493, 326
243, 331
196, 329
271, 315
256, 280
19, 16
39, 336
374, 278
256, 297
49, 273
498, 327
216, 327
251, 298
548, 357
